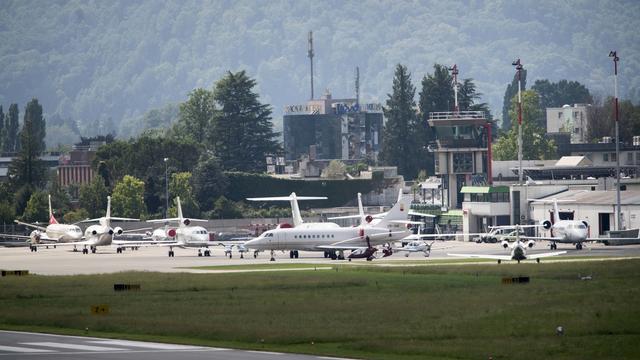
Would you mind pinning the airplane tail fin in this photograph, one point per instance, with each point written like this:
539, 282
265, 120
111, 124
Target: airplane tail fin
52, 219
399, 211
179, 206
363, 219
293, 199
295, 211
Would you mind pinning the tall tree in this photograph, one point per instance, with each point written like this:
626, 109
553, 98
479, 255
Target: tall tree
534, 144
399, 147
243, 132
27, 169
437, 91
209, 182
12, 125
93, 197
180, 185
37, 208
509, 93
196, 116
128, 197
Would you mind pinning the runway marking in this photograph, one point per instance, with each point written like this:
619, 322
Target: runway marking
264, 352
149, 345
74, 346
23, 349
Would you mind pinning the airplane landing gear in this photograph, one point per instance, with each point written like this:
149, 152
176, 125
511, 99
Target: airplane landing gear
538, 260
553, 246
171, 253
93, 249
293, 254
579, 246
85, 251
207, 252
340, 255
272, 257
255, 254
241, 255
499, 261
33, 248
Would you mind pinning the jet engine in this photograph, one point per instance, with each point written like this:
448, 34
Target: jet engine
35, 236
505, 244
546, 224
94, 232
118, 230
530, 244
368, 219
171, 233
186, 222
586, 224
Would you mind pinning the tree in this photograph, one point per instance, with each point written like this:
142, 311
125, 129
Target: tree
242, 133
12, 125
196, 117
335, 170
437, 91
399, 147
27, 169
93, 197
37, 208
128, 197
60, 201
534, 144
209, 182
509, 93
75, 216
180, 185
559, 94
226, 209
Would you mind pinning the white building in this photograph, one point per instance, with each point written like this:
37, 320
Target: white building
569, 119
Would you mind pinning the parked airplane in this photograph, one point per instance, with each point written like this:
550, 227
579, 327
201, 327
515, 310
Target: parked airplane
518, 252
184, 236
415, 247
328, 237
100, 234
567, 231
52, 234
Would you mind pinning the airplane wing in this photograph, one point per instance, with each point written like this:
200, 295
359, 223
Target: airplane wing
332, 247
287, 198
31, 225
416, 213
376, 236
547, 238
612, 239
481, 256
406, 222
174, 220
344, 217
549, 254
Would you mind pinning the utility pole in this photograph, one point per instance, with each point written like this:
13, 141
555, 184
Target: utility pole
166, 188
358, 86
454, 72
518, 66
310, 55
614, 55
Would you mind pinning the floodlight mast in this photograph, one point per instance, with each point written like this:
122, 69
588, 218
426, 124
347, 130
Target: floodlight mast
518, 66
454, 72
614, 56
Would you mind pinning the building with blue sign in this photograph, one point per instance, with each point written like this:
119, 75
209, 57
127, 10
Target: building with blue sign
329, 128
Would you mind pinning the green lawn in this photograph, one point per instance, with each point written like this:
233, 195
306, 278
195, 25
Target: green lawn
431, 312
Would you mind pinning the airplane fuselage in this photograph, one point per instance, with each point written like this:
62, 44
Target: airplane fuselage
98, 235
310, 237
64, 233
192, 236
570, 231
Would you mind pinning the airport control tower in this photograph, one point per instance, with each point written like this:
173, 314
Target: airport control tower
461, 152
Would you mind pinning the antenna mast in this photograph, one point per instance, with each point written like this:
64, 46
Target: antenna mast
357, 85
310, 55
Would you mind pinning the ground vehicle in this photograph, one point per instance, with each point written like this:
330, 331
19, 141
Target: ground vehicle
498, 234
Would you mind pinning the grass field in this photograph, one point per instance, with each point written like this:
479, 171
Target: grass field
436, 312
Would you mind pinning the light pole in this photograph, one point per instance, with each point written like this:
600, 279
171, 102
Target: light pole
614, 55
166, 188
518, 66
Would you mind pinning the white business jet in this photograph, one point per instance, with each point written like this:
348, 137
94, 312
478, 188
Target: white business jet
52, 234
567, 231
328, 237
518, 251
184, 236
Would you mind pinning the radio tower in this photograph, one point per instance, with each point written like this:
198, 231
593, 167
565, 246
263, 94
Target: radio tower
310, 54
357, 86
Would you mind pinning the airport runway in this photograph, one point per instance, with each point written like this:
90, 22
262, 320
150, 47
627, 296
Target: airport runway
24, 345
61, 261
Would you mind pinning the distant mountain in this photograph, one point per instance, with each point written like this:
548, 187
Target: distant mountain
104, 62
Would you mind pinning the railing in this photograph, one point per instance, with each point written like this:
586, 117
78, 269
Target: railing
450, 115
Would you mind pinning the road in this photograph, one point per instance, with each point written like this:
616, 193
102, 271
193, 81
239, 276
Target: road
25, 345
62, 261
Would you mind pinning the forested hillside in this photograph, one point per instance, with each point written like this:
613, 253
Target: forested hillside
103, 64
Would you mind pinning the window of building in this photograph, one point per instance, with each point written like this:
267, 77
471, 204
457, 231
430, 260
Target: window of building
629, 158
613, 156
605, 157
462, 162
436, 164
